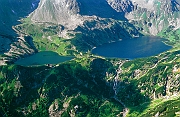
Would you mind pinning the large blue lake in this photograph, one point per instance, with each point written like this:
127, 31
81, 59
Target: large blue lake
42, 58
133, 48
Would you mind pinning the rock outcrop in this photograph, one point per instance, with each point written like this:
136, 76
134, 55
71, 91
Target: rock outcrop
64, 12
151, 16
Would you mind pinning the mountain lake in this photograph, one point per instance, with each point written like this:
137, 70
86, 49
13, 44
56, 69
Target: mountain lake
133, 48
42, 58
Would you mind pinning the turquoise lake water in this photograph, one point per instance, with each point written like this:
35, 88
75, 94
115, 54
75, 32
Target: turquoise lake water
41, 58
133, 48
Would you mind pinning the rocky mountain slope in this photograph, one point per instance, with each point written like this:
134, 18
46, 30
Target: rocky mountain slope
67, 19
90, 85
93, 86
148, 15
72, 13
11, 11
151, 16
64, 12
71, 18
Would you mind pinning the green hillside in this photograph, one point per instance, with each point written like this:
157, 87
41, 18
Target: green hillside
88, 85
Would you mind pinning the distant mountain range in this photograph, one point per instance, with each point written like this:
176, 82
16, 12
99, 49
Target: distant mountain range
151, 16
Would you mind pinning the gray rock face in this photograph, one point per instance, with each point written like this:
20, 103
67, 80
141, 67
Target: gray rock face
72, 13
10, 12
151, 15
64, 12
150, 5
121, 5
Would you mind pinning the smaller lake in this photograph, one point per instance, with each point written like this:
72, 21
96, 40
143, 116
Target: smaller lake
133, 48
42, 58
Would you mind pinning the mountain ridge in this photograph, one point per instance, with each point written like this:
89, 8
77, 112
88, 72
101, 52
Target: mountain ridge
91, 85
74, 13
60, 12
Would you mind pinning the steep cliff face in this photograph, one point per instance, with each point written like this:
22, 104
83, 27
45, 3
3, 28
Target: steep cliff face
72, 13
151, 16
66, 18
69, 11
90, 85
64, 12
10, 12
75, 21
121, 5
99, 8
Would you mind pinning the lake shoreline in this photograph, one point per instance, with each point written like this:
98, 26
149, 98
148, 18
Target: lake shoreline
43, 58
138, 47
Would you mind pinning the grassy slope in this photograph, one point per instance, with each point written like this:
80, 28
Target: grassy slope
45, 36
156, 74
70, 83
83, 81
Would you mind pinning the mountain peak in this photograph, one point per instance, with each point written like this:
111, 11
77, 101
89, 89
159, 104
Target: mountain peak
72, 13
58, 12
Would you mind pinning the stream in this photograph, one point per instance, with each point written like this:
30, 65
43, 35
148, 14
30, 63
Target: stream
115, 87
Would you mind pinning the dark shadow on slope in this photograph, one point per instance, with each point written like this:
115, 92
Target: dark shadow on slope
90, 90
93, 37
76, 79
10, 12
99, 8
29, 81
128, 91
128, 94
5, 41
175, 6
29, 40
